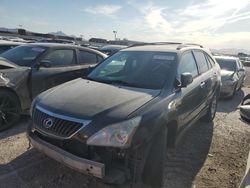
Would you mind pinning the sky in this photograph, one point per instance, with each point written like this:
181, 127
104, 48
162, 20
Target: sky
213, 23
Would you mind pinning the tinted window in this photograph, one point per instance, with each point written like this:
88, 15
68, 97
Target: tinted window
87, 57
188, 64
201, 61
241, 65
60, 57
23, 55
210, 61
227, 64
136, 69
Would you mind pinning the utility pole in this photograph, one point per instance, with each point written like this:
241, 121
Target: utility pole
115, 32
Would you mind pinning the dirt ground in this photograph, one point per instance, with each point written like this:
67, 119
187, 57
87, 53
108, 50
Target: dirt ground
209, 155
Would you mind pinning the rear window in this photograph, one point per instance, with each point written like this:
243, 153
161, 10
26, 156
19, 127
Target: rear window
227, 64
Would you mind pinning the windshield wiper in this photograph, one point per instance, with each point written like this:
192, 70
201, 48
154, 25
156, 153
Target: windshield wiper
114, 82
120, 82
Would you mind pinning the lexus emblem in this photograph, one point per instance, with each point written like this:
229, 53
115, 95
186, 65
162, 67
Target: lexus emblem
48, 122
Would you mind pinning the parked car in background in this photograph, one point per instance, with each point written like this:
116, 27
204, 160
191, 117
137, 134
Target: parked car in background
246, 62
14, 39
60, 41
245, 183
29, 69
232, 75
118, 122
111, 49
6, 45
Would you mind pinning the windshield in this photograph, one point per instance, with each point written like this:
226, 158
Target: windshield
23, 55
149, 70
227, 64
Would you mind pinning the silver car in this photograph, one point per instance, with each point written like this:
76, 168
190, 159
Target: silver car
232, 75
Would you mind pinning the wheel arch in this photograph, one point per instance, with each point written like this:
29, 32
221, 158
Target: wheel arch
2, 88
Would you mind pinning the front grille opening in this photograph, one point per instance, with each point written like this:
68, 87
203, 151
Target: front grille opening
72, 146
61, 128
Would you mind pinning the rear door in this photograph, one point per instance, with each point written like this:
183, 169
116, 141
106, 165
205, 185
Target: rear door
87, 60
63, 67
206, 74
191, 97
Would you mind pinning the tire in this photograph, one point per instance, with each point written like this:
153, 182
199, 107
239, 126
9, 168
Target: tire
211, 110
10, 109
150, 166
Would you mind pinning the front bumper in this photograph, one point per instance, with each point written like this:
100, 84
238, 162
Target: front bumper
245, 112
80, 164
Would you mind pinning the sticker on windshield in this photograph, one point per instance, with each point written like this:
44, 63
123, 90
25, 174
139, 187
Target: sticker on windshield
164, 57
36, 49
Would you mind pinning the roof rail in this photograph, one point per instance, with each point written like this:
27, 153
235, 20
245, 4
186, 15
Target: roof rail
154, 43
180, 45
188, 44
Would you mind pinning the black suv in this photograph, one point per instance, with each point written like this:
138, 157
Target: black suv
118, 123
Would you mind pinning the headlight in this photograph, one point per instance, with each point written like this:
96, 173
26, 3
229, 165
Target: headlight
116, 135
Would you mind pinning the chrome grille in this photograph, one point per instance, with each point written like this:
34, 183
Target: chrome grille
61, 127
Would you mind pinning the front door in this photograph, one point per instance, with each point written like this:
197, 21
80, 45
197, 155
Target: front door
190, 96
55, 67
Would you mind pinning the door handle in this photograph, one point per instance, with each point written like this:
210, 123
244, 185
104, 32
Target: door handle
202, 84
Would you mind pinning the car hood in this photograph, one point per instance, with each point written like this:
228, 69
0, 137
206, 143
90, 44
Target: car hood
88, 99
4, 63
225, 74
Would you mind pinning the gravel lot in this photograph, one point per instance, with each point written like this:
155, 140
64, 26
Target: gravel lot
209, 155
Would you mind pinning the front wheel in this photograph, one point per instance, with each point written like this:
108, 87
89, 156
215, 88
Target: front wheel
9, 109
150, 165
211, 110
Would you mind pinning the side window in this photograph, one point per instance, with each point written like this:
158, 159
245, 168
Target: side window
188, 64
210, 65
87, 57
210, 60
61, 58
201, 61
240, 64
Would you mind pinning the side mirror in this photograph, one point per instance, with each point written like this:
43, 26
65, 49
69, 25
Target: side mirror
241, 69
45, 63
186, 79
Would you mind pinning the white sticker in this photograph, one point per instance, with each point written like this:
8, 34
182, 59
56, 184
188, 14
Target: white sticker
164, 57
38, 49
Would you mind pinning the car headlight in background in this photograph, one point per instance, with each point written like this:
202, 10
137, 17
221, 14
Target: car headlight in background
116, 135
